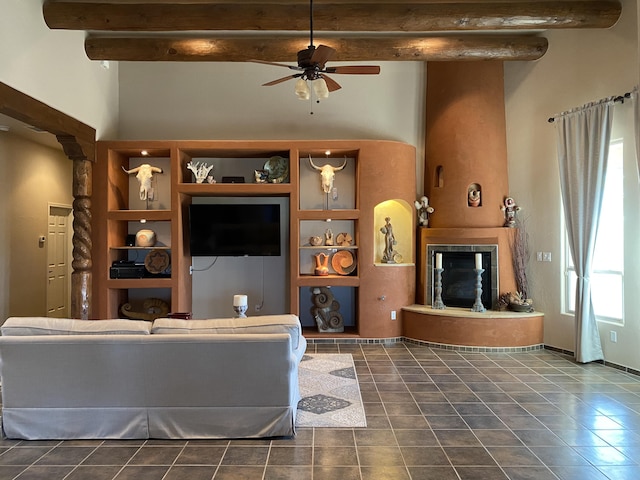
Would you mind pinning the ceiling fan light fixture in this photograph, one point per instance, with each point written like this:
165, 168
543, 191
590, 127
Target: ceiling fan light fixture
302, 89
320, 88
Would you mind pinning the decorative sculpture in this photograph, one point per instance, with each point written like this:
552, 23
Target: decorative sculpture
389, 255
327, 174
261, 176
510, 209
424, 210
325, 310
144, 174
200, 170
473, 196
328, 237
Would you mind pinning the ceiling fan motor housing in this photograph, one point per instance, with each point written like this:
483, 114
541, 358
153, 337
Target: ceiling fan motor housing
304, 57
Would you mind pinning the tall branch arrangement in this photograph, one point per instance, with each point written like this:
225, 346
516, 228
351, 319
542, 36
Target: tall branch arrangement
520, 256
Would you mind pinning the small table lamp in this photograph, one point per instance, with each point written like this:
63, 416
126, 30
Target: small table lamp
240, 305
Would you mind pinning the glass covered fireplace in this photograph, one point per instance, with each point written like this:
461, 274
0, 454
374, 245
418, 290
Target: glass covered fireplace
459, 277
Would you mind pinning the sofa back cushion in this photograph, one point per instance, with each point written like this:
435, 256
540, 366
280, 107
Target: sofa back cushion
66, 326
262, 324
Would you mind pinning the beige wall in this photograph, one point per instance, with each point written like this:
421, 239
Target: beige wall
31, 177
51, 66
579, 67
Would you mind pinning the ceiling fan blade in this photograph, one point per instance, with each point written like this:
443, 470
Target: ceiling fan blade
280, 80
355, 69
292, 67
322, 55
332, 85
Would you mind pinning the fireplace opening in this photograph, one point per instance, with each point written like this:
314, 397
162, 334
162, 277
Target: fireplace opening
459, 279
459, 276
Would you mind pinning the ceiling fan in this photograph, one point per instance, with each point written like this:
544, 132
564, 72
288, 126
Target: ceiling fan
312, 67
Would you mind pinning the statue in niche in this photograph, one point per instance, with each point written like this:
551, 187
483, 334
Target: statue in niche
326, 310
389, 255
424, 210
510, 209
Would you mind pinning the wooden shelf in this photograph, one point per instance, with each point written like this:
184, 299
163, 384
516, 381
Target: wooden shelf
365, 182
137, 215
328, 280
324, 215
126, 283
235, 189
141, 248
328, 247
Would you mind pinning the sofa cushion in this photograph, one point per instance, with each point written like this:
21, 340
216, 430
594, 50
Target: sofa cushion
67, 326
260, 324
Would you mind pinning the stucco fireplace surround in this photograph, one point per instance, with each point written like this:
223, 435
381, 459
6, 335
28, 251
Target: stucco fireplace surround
466, 181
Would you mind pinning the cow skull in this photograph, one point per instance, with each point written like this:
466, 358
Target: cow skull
327, 174
144, 174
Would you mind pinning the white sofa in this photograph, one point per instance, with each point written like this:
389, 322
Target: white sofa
124, 379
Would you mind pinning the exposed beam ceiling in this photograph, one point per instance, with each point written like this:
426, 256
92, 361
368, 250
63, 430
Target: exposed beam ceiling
349, 49
377, 30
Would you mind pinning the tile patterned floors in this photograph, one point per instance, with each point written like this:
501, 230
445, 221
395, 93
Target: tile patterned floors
432, 414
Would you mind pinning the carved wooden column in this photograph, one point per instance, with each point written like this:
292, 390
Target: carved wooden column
82, 189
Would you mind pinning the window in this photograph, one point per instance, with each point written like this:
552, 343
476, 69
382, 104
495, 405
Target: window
608, 260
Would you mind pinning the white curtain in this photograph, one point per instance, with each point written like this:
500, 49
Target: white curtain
583, 136
635, 98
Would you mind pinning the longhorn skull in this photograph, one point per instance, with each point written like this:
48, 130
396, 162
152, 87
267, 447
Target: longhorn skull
144, 174
327, 173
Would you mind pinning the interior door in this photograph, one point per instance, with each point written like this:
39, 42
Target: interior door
58, 263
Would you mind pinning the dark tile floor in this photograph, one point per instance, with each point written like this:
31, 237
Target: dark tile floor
432, 414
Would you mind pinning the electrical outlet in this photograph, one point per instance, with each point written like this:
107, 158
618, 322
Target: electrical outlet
539, 256
613, 335
546, 256
393, 314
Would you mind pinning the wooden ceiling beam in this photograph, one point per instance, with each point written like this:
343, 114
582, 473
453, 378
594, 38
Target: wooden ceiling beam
153, 16
284, 49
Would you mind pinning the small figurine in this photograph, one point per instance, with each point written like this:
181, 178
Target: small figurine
510, 209
424, 210
389, 241
261, 176
328, 237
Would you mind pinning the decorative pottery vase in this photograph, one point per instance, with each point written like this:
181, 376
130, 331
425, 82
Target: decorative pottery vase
145, 238
322, 264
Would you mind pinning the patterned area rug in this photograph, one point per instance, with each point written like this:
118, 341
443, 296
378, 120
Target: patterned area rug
330, 392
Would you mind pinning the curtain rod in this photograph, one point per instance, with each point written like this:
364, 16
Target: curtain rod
619, 98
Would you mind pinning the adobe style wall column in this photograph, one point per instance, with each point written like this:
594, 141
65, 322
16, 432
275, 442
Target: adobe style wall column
466, 147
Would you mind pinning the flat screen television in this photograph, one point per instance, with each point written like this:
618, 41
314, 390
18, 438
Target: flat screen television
234, 230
